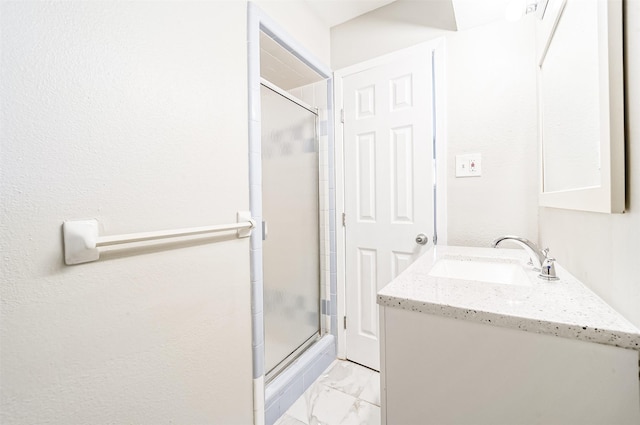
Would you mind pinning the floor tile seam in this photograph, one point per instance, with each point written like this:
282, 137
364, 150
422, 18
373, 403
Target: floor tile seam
356, 398
339, 390
354, 402
353, 406
328, 385
352, 367
368, 402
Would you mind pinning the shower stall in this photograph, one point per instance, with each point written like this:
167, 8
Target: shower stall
292, 198
291, 226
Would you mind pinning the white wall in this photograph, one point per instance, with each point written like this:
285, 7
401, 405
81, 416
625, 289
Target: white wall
601, 249
400, 24
134, 113
491, 110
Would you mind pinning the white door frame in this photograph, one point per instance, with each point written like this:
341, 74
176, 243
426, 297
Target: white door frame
435, 47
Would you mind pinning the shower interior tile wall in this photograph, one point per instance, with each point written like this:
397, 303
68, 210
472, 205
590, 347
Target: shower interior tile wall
316, 95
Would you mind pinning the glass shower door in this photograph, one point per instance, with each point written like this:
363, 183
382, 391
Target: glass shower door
291, 249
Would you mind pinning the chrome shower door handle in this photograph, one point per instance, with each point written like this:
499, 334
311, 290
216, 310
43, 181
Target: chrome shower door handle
422, 239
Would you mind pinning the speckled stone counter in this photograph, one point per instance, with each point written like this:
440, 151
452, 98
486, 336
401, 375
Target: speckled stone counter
564, 308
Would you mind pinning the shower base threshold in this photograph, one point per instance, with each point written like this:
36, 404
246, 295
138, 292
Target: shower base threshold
285, 388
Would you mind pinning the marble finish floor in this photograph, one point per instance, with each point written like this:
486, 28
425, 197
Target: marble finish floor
345, 394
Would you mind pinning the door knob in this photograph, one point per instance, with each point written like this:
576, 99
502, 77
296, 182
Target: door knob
422, 239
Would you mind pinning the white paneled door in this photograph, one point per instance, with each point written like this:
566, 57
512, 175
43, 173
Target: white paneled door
388, 196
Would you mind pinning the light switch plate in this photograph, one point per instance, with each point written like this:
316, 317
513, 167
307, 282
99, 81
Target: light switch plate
469, 165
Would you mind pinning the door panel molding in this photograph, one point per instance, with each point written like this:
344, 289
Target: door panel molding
399, 96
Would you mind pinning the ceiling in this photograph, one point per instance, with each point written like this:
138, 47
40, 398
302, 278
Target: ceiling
465, 13
336, 12
473, 13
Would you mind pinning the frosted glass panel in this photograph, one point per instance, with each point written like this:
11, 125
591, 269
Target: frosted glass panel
291, 251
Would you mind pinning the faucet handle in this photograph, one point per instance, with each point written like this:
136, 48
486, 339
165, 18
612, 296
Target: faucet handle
546, 253
548, 271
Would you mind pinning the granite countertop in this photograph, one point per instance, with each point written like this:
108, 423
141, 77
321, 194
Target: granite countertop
564, 308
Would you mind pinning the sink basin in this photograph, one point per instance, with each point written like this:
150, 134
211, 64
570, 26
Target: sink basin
481, 270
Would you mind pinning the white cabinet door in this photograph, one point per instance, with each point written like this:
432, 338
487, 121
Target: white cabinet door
439, 370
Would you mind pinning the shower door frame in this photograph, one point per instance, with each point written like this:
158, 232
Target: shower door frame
286, 361
258, 21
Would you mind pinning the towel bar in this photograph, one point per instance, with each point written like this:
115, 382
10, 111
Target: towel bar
82, 241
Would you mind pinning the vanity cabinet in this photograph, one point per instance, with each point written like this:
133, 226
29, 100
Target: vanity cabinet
438, 370
456, 348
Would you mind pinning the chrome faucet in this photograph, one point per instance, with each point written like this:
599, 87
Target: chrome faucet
539, 259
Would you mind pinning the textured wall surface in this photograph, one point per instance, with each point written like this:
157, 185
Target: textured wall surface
134, 113
395, 26
491, 110
602, 249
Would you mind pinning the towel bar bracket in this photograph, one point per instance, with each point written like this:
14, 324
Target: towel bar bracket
80, 241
